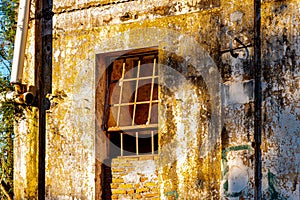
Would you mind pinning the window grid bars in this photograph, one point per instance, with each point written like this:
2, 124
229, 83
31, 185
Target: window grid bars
139, 78
132, 103
137, 142
152, 142
150, 102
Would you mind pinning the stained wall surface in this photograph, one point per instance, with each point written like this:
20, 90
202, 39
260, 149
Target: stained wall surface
206, 120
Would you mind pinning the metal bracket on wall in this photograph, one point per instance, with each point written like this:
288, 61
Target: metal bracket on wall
235, 55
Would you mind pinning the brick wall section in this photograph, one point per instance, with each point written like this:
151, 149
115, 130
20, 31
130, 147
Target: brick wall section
135, 178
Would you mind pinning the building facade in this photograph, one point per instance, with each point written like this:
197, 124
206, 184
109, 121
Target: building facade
139, 99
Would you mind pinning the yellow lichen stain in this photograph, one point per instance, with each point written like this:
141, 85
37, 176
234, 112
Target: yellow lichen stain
32, 154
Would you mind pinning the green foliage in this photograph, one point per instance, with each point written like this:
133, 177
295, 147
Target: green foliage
6, 148
8, 11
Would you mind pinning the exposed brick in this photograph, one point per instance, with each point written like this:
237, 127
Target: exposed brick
146, 158
131, 191
125, 164
118, 191
116, 160
141, 190
114, 170
129, 169
143, 179
131, 158
125, 186
137, 196
115, 164
150, 195
114, 185
122, 174
118, 180
150, 184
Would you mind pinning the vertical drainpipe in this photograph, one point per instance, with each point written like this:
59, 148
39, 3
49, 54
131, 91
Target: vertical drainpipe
21, 95
20, 42
257, 100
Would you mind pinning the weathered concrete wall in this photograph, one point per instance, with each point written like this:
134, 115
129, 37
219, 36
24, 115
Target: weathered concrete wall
26, 157
237, 99
281, 73
206, 121
72, 41
281, 123
190, 122
26, 142
280, 99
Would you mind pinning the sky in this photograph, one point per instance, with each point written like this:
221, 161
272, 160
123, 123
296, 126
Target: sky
4, 72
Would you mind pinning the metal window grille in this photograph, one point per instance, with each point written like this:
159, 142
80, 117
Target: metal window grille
133, 99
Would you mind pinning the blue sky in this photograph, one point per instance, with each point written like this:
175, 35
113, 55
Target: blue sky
3, 63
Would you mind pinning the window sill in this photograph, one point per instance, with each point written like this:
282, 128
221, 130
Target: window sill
133, 128
140, 157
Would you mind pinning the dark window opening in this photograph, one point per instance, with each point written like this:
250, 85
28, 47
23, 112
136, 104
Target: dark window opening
144, 144
132, 103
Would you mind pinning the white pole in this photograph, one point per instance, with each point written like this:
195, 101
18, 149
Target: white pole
20, 41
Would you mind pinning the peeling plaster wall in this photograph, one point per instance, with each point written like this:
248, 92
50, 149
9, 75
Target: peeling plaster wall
280, 140
281, 70
190, 123
206, 116
237, 99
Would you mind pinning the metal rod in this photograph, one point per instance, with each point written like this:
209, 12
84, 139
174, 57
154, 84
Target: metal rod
140, 78
136, 91
137, 142
257, 100
121, 134
151, 92
132, 103
134, 127
237, 48
152, 142
121, 93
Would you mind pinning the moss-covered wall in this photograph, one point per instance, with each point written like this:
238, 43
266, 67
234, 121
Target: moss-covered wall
206, 114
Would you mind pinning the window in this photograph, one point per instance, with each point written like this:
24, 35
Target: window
132, 102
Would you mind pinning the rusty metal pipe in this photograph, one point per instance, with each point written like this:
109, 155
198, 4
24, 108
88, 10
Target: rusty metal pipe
26, 98
257, 100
